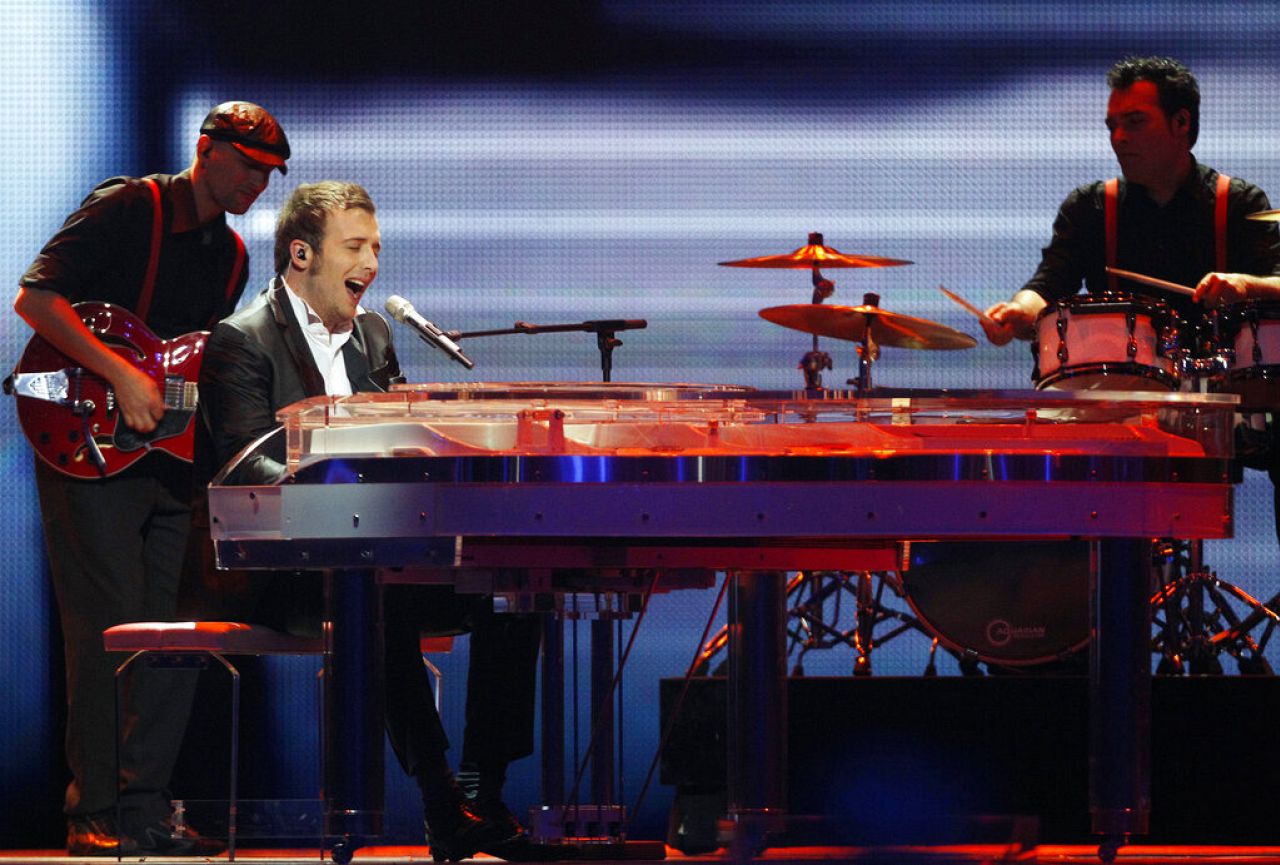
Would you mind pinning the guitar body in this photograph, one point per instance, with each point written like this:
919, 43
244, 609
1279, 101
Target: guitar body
61, 406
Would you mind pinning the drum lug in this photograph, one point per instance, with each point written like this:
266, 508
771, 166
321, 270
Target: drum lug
1062, 337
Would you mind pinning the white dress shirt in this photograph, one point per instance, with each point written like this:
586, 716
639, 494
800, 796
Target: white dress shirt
326, 346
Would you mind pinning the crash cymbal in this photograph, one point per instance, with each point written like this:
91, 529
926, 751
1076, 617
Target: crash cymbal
850, 322
1265, 216
815, 255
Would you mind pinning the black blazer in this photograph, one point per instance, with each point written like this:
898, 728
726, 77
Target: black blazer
257, 361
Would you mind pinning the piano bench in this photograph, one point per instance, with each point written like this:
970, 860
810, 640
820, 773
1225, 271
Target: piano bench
215, 640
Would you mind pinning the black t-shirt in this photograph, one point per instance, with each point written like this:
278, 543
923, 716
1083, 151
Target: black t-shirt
102, 251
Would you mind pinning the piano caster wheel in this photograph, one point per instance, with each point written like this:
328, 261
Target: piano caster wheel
1109, 847
343, 851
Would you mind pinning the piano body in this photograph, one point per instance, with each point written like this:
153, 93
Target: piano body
510, 487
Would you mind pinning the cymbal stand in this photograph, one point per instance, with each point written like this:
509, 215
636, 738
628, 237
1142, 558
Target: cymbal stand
815, 361
868, 351
1195, 621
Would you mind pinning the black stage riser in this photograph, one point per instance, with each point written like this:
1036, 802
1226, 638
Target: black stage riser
912, 759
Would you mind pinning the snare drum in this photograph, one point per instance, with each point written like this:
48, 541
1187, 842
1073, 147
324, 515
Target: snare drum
1254, 329
1106, 342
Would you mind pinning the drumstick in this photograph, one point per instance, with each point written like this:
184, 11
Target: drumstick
1151, 281
966, 305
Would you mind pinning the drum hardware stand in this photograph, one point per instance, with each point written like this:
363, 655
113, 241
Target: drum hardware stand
815, 361
1192, 610
605, 330
868, 351
1194, 619
810, 594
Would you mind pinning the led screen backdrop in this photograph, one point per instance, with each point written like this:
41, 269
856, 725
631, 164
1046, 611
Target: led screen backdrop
602, 173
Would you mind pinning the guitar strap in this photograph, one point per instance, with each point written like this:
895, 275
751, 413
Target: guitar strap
153, 261
1221, 198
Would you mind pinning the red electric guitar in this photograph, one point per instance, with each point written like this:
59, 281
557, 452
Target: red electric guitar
69, 414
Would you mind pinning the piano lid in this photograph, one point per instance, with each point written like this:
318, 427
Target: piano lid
511, 419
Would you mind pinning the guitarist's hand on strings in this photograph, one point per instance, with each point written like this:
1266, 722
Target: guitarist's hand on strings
138, 398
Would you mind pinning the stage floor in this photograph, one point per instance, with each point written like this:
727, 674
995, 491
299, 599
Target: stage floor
969, 854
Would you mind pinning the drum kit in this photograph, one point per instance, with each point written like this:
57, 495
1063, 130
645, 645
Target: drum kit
1106, 341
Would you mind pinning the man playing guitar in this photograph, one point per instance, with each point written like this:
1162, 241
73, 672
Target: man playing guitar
159, 248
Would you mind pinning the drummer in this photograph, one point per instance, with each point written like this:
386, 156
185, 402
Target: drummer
1165, 225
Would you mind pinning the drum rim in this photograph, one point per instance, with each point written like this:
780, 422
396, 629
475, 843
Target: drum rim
1141, 370
1097, 302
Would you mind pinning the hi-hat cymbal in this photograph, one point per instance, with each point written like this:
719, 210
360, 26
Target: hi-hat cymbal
815, 254
851, 322
1265, 216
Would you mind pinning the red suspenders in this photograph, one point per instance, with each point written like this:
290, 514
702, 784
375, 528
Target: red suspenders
1220, 199
1220, 223
153, 262
1112, 189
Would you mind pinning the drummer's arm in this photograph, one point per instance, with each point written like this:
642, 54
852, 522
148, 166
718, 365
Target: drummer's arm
1015, 317
1217, 289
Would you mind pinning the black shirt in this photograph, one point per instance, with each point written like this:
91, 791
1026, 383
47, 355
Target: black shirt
102, 250
1174, 241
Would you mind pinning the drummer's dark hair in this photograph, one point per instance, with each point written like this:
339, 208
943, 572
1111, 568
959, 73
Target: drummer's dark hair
303, 216
1174, 82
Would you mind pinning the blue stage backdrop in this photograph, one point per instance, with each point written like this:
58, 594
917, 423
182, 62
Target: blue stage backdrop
606, 182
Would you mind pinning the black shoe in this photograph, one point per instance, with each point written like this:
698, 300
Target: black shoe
495, 811
92, 835
456, 832
160, 839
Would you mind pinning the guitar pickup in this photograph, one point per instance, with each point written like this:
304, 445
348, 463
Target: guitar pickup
47, 386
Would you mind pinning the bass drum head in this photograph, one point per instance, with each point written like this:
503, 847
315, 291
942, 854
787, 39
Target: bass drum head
1011, 603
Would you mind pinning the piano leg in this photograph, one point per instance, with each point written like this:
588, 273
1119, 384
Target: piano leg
552, 708
603, 774
1120, 693
353, 713
757, 711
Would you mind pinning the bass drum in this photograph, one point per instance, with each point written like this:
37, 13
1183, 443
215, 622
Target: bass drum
1016, 603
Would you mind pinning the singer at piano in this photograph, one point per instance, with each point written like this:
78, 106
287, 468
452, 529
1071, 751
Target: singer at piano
309, 335
157, 253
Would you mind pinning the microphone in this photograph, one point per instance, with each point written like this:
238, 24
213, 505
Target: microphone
402, 311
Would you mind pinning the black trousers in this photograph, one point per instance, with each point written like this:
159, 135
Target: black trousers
116, 548
501, 676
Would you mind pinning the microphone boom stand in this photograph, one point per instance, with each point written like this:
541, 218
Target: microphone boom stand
605, 331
